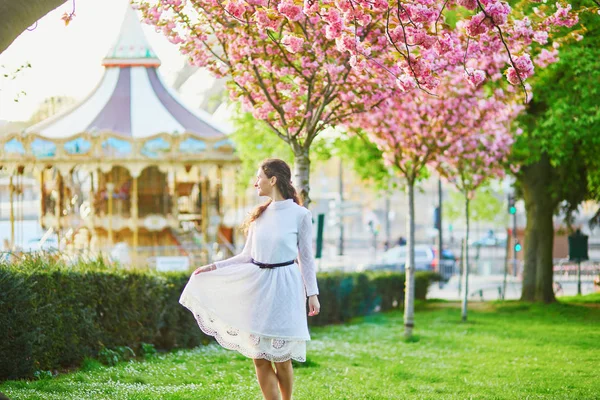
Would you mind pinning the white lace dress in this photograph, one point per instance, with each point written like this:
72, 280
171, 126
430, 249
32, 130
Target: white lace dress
261, 313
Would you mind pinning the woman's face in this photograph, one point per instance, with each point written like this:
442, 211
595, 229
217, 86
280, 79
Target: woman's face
263, 184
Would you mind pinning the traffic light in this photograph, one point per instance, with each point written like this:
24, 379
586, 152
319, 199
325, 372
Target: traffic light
518, 247
512, 207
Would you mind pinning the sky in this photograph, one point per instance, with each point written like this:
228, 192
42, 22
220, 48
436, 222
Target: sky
66, 60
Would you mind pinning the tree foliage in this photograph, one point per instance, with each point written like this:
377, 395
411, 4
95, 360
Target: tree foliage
563, 119
557, 152
487, 206
255, 142
361, 155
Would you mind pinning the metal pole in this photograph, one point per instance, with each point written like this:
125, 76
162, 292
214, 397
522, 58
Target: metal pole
514, 243
341, 209
440, 238
505, 268
578, 277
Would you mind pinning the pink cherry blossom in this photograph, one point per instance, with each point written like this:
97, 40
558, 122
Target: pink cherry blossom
290, 10
468, 4
546, 57
478, 25
292, 43
280, 59
524, 66
279, 54
541, 37
463, 129
235, 8
498, 11
563, 16
476, 77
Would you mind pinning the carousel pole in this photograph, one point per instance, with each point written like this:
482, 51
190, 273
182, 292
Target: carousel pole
93, 239
57, 207
236, 197
92, 196
205, 199
11, 190
42, 199
219, 190
175, 196
135, 212
110, 188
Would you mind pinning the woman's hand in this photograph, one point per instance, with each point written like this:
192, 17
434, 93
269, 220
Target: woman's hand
313, 306
206, 268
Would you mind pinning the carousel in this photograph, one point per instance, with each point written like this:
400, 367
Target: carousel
130, 167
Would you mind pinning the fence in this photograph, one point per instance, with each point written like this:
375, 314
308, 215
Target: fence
566, 270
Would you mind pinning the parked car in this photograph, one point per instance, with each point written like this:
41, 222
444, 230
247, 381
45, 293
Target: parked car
395, 259
490, 240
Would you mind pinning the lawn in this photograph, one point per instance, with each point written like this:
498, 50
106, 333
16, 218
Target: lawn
507, 350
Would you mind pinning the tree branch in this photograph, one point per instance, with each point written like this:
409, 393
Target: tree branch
17, 16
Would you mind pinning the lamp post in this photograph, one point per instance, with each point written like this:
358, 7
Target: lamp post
512, 209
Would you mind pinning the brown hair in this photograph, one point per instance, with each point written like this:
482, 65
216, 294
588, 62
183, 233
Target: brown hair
278, 168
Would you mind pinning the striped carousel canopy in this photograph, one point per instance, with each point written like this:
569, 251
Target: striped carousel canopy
131, 100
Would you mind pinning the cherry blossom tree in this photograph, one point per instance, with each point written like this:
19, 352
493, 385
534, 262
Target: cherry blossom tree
417, 130
281, 64
301, 67
453, 106
425, 37
479, 156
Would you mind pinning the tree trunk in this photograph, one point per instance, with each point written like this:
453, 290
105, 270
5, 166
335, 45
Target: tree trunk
465, 276
20, 15
544, 290
409, 291
302, 175
539, 233
530, 246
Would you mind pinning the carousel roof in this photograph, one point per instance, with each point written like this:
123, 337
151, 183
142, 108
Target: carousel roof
131, 98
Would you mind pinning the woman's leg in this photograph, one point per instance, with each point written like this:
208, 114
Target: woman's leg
267, 379
285, 377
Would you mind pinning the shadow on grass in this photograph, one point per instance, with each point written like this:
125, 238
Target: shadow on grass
412, 339
434, 300
306, 364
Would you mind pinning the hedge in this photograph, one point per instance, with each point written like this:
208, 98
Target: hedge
53, 315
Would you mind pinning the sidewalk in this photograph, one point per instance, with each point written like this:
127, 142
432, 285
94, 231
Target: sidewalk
489, 288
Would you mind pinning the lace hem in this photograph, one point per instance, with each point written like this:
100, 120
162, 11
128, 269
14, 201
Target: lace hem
249, 344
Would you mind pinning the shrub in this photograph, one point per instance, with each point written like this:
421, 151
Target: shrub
53, 315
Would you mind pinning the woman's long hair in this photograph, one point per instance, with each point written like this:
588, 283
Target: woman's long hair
278, 168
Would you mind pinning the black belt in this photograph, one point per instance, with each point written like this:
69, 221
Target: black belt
264, 265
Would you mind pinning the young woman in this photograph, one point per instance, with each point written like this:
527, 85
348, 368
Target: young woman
255, 302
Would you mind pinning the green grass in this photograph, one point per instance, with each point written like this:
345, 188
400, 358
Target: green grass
592, 298
507, 350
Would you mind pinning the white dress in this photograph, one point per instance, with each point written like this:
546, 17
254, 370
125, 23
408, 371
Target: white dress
261, 313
